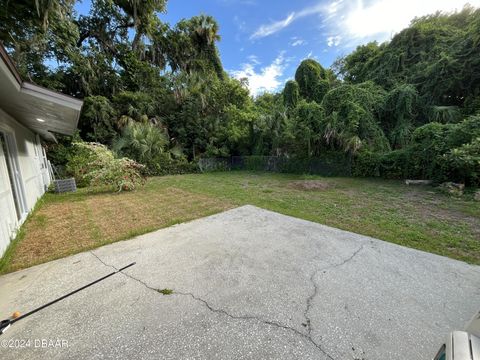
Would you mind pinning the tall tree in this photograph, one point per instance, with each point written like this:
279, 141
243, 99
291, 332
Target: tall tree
312, 80
36, 32
291, 94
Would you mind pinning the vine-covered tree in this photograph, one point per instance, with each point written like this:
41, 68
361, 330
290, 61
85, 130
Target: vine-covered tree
351, 117
291, 94
400, 114
312, 81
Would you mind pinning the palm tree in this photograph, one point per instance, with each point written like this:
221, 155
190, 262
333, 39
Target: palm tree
206, 29
445, 114
205, 34
142, 142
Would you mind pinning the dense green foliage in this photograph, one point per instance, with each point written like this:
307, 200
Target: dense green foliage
291, 94
313, 80
403, 108
148, 144
440, 152
158, 93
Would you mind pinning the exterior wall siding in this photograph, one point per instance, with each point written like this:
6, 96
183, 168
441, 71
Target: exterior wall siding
31, 165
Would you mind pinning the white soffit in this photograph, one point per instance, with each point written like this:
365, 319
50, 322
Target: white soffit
27, 103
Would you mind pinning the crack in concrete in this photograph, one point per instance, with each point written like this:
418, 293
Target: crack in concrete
309, 302
315, 287
103, 262
237, 317
307, 336
258, 319
125, 274
350, 258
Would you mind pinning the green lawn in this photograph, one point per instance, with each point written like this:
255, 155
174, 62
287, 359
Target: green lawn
417, 217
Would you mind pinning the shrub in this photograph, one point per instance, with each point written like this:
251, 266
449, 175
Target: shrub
81, 161
394, 165
438, 152
93, 164
427, 154
59, 152
366, 164
173, 167
463, 163
390, 165
119, 174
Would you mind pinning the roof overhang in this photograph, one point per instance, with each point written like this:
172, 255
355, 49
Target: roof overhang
42, 110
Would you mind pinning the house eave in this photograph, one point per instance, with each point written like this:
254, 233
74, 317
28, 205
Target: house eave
41, 110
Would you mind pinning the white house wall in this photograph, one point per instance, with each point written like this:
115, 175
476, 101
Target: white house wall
8, 219
30, 162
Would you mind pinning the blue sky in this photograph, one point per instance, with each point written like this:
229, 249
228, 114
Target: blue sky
265, 40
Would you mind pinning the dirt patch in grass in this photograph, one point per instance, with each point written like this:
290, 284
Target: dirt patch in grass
309, 185
62, 228
429, 205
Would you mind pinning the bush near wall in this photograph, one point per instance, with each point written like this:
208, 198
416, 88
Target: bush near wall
461, 165
59, 152
93, 164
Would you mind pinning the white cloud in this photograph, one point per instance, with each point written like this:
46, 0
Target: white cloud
297, 42
274, 27
363, 20
266, 30
332, 8
334, 40
267, 78
253, 59
381, 19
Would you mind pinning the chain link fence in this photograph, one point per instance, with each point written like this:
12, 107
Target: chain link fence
328, 165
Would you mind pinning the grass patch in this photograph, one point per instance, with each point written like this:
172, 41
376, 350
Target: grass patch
65, 224
418, 217
9, 253
165, 291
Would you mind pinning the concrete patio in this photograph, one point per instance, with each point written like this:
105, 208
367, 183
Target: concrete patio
247, 284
